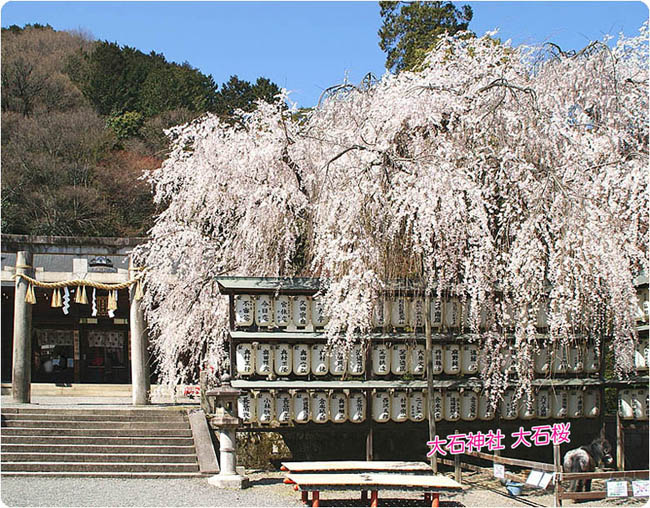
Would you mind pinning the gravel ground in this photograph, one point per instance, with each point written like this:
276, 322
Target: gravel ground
139, 492
266, 490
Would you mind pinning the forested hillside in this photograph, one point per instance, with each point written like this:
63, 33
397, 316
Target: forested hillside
81, 120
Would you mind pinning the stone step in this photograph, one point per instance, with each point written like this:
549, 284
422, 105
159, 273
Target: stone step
101, 424
91, 474
108, 442
95, 432
98, 441
114, 417
100, 467
154, 411
43, 457
73, 390
96, 448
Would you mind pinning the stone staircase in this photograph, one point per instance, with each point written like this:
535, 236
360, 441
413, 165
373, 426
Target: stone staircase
121, 442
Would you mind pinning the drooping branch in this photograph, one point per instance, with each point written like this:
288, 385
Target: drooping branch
404, 178
500, 82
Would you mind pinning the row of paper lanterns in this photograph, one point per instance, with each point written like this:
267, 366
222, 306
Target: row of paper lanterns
302, 311
397, 359
634, 404
279, 311
322, 406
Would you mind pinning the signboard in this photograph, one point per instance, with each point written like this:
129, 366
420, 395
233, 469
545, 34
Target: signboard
617, 488
546, 479
640, 488
499, 471
539, 479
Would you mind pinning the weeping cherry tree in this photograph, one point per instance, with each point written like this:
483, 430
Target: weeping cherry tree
512, 178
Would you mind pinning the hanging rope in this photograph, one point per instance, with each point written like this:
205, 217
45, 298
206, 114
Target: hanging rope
80, 296
79, 282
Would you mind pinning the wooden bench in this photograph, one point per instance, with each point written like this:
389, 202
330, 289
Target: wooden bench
357, 466
430, 484
354, 466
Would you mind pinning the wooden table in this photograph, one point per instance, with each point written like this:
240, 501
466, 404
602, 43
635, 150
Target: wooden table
432, 485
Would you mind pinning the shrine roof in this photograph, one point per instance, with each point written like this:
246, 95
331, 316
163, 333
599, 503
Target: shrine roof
234, 285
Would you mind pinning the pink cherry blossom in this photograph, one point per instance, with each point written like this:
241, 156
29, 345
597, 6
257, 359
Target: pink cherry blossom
513, 178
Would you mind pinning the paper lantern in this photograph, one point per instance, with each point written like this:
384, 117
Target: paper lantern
399, 359
282, 310
319, 360
301, 311
380, 359
244, 359
283, 359
263, 310
381, 406
301, 360
246, 407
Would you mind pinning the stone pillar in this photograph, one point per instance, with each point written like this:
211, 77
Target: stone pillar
226, 422
140, 382
227, 450
228, 478
21, 375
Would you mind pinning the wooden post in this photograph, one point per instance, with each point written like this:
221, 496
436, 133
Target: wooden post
374, 498
203, 389
601, 388
558, 474
370, 455
77, 356
457, 469
231, 346
429, 367
620, 442
496, 453
21, 372
369, 446
601, 414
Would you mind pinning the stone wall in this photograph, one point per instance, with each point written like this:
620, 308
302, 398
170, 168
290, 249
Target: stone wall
261, 450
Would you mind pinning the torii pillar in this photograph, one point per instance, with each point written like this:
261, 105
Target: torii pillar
21, 373
140, 382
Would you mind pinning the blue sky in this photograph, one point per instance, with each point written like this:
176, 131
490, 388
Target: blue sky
305, 46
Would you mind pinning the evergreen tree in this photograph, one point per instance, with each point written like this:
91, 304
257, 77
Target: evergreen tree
118, 79
410, 29
240, 94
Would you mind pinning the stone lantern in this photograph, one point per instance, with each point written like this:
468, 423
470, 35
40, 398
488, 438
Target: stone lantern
222, 401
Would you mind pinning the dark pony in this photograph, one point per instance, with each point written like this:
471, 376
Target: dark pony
585, 459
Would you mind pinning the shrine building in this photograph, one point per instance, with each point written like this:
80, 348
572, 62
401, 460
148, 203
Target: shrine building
77, 338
